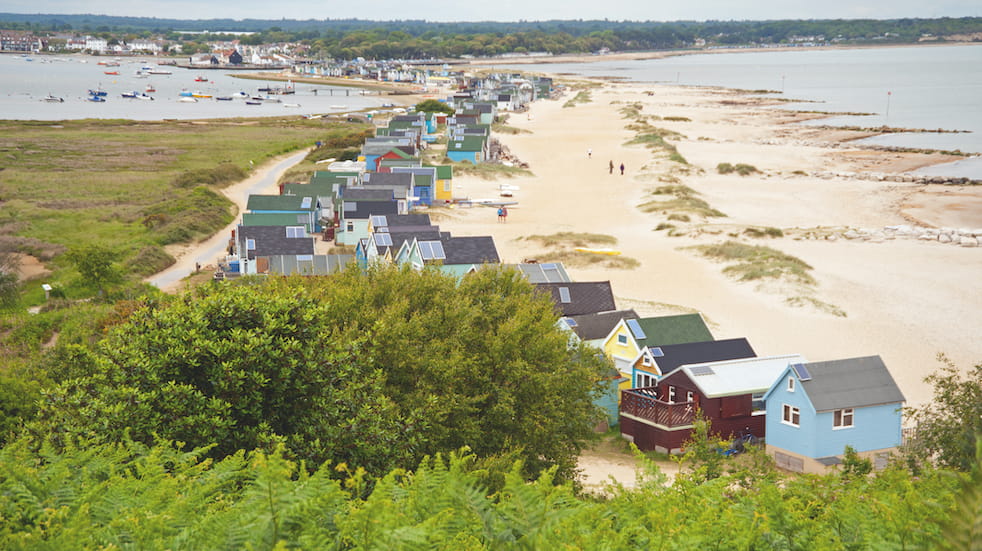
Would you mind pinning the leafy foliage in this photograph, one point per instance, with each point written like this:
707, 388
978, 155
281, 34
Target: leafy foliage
948, 427
374, 370
127, 495
95, 263
434, 106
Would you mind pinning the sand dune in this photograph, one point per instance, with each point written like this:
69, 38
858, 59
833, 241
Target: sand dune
906, 300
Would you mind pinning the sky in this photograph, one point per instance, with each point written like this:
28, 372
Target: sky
508, 10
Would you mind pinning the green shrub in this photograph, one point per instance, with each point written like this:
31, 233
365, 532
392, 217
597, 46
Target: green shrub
150, 260
679, 217
763, 232
220, 175
740, 168
677, 119
664, 226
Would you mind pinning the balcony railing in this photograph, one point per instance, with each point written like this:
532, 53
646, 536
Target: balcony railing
641, 403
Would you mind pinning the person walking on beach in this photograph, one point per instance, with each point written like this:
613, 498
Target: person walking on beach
504, 214
589, 153
611, 167
622, 169
501, 214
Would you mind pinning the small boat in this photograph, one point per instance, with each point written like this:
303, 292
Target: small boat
223, 98
145, 97
186, 94
97, 99
272, 100
197, 94
188, 99
140, 74
53, 99
111, 72
200, 78
97, 92
150, 88
291, 105
253, 102
240, 95
159, 72
131, 95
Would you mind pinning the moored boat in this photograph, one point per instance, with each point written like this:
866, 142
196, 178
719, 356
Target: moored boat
97, 92
150, 88
159, 72
198, 94
111, 72
188, 99
97, 99
223, 98
130, 95
53, 99
291, 105
200, 78
253, 102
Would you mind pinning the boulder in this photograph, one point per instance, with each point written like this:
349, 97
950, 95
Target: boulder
851, 234
944, 238
969, 242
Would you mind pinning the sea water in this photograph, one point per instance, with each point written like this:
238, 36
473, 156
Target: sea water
926, 87
26, 80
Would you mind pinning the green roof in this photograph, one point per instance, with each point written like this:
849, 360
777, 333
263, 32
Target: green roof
444, 172
665, 330
273, 219
318, 189
469, 143
281, 202
325, 176
423, 180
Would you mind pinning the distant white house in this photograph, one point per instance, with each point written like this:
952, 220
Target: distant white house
145, 45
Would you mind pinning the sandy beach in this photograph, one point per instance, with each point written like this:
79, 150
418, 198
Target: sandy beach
904, 299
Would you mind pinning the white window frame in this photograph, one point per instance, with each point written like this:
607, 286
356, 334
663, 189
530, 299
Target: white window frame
758, 398
645, 360
689, 396
350, 226
671, 395
844, 418
789, 414
790, 383
644, 380
250, 244
621, 339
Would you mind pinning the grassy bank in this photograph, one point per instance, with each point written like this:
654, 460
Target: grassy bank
132, 186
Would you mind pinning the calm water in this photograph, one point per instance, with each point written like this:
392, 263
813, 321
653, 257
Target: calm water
915, 87
24, 83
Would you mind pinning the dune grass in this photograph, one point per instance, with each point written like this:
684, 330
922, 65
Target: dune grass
802, 301
684, 202
573, 239
486, 171
578, 259
755, 262
653, 137
133, 186
740, 168
583, 96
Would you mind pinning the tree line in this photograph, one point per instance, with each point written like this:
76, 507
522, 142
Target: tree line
412, 39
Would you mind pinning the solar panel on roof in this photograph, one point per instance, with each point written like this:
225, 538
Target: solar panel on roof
702, 370
636, 330
379, 221
564, 295
548, 266
656, 352
305, 204
383, 239
438, 251
571, 322
348, 206
802, 372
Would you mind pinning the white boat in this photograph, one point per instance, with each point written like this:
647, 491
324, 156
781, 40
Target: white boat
294, 105
188, 99
240, 95
339, 107
53, 99
159, 72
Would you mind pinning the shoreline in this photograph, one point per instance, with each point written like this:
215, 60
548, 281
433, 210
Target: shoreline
900, 298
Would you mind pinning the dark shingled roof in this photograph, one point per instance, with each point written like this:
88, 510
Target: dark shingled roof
364, 209
401, 220
598, 325
388, 179
362, 194
272, 240
470, 250
850, 383
586, 297
676, 355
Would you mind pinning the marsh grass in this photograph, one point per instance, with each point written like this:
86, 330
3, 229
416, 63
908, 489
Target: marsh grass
763, 232
754, 262
132, 185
